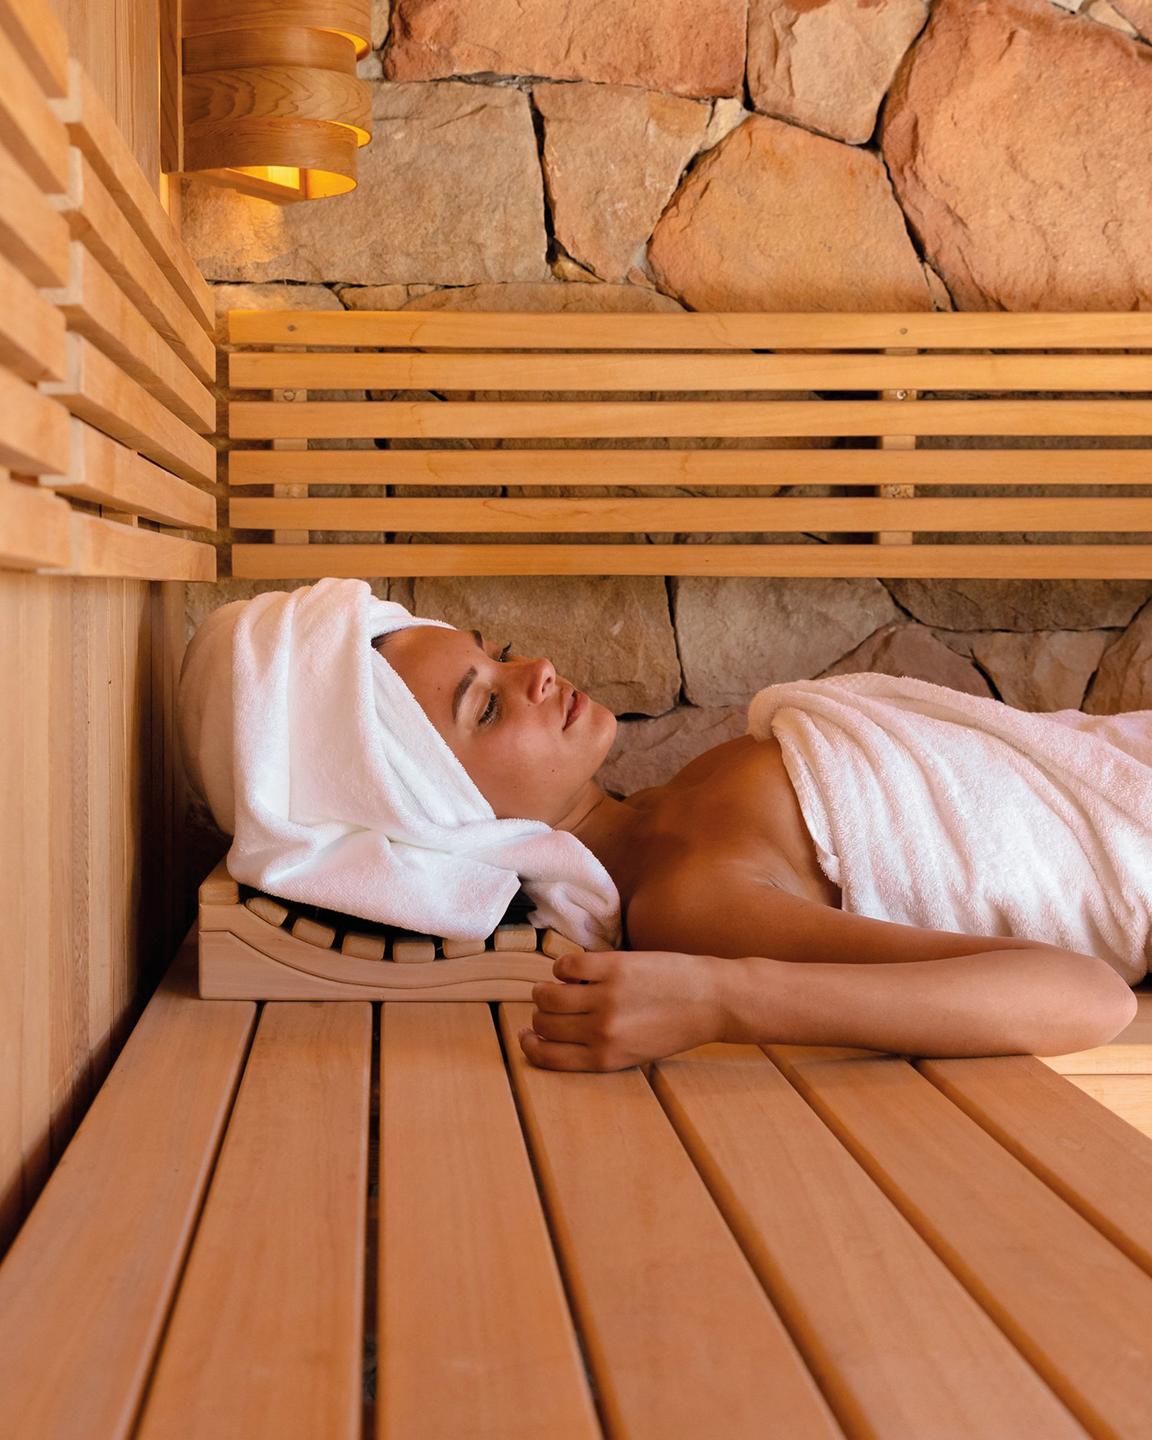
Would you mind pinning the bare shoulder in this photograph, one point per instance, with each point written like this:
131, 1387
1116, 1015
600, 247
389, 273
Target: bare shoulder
722, 906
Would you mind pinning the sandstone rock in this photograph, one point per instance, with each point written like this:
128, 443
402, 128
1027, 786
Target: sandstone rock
380, 22
776, 218
1048, 670
1124, 680
1121, 17
738, 634
726, 115
612, 157
646, 753
379, 297
903, 649
550, 297
565, 268
941, 300
656, 44
449, 191
610, 636
1016, 207
1021, 604
828, 65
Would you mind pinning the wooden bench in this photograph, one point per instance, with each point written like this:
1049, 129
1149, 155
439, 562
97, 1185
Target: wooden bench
885, 406
335, 1219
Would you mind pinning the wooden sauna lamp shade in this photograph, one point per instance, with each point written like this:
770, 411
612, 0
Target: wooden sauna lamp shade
253, 946
272, 103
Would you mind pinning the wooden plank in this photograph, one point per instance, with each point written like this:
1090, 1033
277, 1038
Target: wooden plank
101, 712
637, 515
332, 370
92, 128
34, 527
888, 443
295, 536
1084, 1153
956, 561
1077, 1308
171, 96
33, 235
694, 331
267, 1331
474, 1333
37, 34
94, 217
31, 328
105, 547
98, 308
68, 974
1127, 1096
86, 1287
899, 1345
658, 1284
575, 466
108, 473
101, 393
33, 428
28, 127
576, 419
26, 930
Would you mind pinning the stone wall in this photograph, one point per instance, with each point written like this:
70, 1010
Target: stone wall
741, 155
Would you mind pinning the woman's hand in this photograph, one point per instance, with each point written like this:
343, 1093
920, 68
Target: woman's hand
615, 1008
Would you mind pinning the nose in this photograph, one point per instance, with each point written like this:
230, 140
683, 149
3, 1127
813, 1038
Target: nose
542, 677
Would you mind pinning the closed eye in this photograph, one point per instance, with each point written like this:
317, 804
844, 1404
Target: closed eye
491, 710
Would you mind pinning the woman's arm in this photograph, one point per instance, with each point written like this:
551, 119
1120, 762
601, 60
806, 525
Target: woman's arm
1035, 1001
612, 1009
714, 957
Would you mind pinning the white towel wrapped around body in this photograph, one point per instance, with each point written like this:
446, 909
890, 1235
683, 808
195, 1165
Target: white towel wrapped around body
339, 791
936, 808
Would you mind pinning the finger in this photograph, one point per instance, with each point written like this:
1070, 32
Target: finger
561, 999
568, 1029
551, 1055
584, 965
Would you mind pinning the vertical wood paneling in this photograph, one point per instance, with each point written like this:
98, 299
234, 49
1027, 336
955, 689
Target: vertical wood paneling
68, 996
118, 43
12, 863
101, 893
35, 641
92, 894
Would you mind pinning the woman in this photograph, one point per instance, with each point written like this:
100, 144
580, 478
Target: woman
722, 892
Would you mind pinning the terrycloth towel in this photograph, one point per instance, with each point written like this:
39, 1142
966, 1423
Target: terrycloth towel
935, 808
340, 792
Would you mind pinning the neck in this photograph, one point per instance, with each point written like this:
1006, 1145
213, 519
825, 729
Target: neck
611, 829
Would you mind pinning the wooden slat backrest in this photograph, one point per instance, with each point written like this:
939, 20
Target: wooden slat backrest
895, 1337
86, 1286
266, 1336
1075, 1305
107, 324
935, 377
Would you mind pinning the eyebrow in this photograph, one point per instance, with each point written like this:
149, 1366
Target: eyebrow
467, 680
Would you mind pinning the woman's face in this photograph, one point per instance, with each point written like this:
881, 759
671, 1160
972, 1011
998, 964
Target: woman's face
503, 716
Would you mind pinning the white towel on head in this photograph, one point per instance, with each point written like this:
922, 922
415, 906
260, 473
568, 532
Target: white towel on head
340, 792
957, 812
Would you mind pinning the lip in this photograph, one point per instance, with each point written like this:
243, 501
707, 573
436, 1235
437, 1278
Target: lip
579, 704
